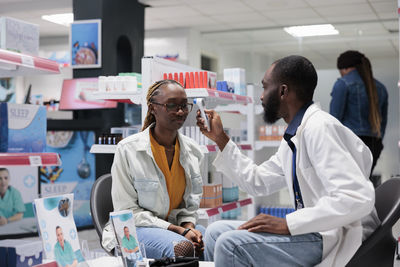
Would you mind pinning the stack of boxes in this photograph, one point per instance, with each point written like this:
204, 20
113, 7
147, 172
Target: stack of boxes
212, 196
237, 77
194, 79
271, 132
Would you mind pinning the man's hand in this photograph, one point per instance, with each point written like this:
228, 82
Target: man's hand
3, 221
266, 223
216, 132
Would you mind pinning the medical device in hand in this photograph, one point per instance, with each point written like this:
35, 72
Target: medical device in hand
200, 103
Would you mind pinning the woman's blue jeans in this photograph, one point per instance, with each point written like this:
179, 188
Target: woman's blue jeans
227, 246
158, 241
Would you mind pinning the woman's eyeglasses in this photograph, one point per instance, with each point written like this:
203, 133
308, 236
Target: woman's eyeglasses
172, 107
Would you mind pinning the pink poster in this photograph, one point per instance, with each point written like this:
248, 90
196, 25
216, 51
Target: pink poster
78, 94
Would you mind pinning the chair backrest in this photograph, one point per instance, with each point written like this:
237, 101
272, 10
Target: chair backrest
379, 248
101, 202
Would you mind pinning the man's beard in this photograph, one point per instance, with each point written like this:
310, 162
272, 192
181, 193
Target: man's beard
271, 109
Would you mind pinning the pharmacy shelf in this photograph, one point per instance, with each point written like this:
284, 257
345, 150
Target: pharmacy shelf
122, 97
214, 148
206, 213
30, 159
261, 144
16, 64
232, 108
103, 149
218, 97
110, 149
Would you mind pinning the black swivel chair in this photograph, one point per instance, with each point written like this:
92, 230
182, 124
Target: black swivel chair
101, 203
379, 248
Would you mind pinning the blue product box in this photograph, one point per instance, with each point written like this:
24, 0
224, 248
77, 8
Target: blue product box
20, 253
22, 128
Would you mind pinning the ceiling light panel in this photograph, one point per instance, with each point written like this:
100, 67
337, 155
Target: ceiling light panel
311, 30
64, 19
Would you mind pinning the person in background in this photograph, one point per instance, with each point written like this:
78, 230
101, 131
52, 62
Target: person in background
360, 102
12, 207
63, 251
325, 167
156, 174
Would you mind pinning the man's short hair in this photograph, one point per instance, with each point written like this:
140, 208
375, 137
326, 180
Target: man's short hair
297, 72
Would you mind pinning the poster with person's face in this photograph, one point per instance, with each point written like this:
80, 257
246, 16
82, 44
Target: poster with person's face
18, 188
85, 41
58, 231
125, 231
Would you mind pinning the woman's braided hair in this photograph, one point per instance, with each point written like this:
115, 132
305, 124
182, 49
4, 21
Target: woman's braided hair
153, 91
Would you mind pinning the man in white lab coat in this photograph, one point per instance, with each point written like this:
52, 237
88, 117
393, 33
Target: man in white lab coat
325, 167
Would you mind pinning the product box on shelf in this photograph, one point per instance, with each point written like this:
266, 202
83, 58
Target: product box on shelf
212, 196
20, 253
19, 36
22, 128
197, 79
271, 132
238, 77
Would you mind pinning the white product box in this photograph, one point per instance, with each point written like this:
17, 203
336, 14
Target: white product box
19, 36
238, 77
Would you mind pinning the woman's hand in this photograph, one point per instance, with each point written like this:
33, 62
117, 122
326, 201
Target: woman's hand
195, 237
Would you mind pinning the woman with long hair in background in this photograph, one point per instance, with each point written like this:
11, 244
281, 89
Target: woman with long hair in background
360, 102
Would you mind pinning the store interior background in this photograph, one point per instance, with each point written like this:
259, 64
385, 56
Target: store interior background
247, 34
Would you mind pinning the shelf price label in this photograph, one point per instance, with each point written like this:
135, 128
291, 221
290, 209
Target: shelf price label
27, 60
35, 160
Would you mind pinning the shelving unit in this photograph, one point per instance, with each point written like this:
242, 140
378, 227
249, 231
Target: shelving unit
16, 64
218, 97
30, 159
122, 97
206, 213
261, 144
110, 149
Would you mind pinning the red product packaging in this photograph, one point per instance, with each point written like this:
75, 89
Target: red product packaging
205, 79
191, 80
170, 76
176, 76
165, 76
181, 81
187, 85
196, 80
201, 79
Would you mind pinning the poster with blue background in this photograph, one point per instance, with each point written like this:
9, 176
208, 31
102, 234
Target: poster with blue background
76, 174
85, 44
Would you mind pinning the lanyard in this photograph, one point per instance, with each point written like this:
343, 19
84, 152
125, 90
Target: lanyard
298, 199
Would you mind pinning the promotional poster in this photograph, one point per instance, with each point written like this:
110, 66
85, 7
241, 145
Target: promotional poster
18, 188
125, 231
85, 41
58, 231
73, 148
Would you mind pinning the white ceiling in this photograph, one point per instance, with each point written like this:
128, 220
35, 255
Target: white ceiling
253, 25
